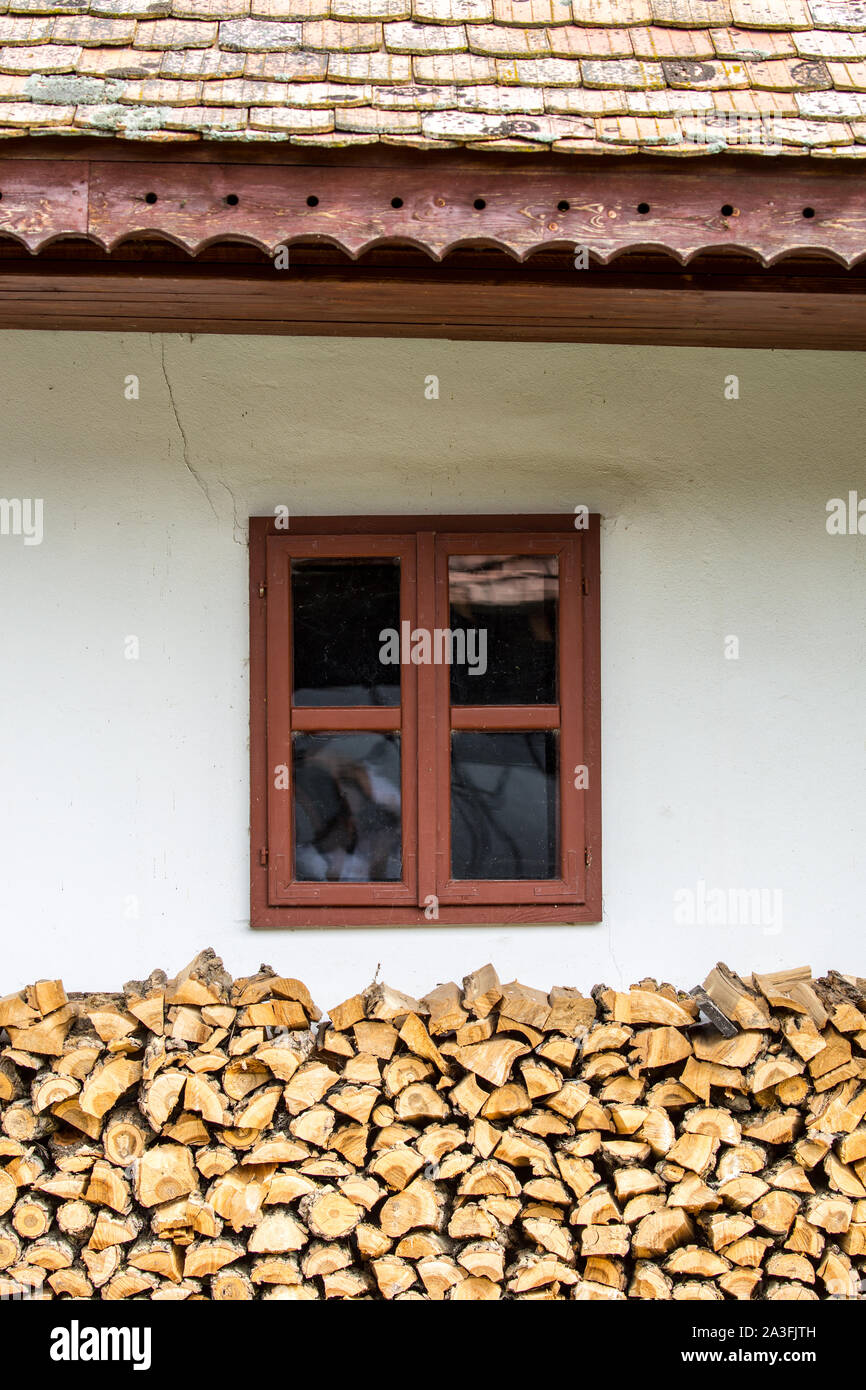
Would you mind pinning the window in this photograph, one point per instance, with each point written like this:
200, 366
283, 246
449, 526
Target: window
425, 721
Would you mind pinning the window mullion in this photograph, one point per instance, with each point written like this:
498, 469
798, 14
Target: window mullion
429, 722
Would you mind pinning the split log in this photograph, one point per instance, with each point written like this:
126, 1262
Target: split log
163, 1172
112, 1230
740, 1005
660, 1233
232, 1285
650, 1282
32, 1216
157, 1256
106, 1187
206, 1257
492, 1060
740, 1283
76, 1219
277, 1232
418, 1205
643, 1006
389, 1005
8, 1192
20, 1121
10, 1246
481, 991
70, 1283
330, 1215
124, 1136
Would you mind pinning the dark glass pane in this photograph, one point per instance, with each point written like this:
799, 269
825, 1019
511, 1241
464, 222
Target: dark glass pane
504, 805
347, 808
503, 612
339, 610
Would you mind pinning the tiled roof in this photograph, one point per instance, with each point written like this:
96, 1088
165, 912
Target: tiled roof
576, 76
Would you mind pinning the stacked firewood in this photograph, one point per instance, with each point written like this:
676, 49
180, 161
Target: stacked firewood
207, 1138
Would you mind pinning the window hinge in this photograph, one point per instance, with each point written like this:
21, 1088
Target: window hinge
584, 585
587, 858
263, 591
263, 856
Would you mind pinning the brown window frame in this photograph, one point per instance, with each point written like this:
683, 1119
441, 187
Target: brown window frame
425, 719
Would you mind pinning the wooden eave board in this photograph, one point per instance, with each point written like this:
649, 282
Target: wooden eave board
777, 208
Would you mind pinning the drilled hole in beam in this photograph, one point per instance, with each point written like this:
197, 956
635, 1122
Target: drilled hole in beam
312, 201
808, 212
480, 204
727, 210
643, 209
232, 199
396, 202
150, 197
563, 206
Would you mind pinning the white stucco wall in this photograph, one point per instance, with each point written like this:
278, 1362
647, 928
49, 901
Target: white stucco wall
125, 782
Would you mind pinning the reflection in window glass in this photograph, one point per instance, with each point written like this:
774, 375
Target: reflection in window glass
504, 805
506, 605
339, 609
347, 807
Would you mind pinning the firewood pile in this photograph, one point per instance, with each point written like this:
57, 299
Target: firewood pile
207, 1138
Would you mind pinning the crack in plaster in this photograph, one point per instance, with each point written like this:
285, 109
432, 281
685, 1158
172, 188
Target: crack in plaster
200, 482
239, 534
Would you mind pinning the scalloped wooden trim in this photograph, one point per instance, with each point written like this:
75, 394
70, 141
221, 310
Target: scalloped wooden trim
42, 200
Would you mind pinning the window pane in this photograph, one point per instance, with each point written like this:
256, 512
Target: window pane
504, 805
505, 606
339, 610
347, 808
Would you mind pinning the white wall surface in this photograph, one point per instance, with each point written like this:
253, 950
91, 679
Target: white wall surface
125, 782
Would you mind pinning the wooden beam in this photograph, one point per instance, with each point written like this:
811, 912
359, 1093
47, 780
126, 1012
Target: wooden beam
759, 309
768, 209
